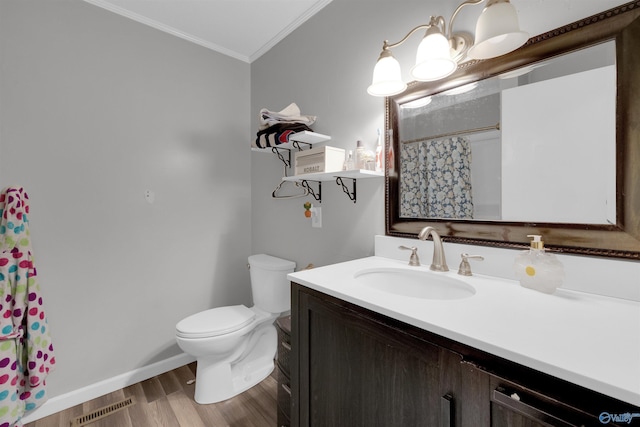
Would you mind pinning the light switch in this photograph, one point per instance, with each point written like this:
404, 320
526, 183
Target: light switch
316, 217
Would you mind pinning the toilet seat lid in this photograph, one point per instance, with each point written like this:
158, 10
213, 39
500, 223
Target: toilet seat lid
216, 321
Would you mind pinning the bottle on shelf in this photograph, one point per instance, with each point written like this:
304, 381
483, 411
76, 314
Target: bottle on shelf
365, 159
390, 154
348, 162
359, 162
379, 154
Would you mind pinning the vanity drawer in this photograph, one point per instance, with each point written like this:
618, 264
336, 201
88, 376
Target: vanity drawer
284, 399
283, 326
283, 372
515, 404
283, 420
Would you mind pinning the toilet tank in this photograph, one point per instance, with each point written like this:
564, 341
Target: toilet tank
269, 285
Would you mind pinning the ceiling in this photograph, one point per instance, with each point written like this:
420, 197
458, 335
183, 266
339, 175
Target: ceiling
246, 29
242, 29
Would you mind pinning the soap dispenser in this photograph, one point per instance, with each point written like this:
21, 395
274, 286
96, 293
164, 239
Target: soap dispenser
537, 269
360, 155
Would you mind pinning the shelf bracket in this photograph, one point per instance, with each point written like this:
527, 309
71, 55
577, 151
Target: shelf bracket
296, 144
279, 152
345, 189
317, 196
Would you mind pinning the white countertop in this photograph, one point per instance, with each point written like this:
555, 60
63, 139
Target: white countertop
589, 340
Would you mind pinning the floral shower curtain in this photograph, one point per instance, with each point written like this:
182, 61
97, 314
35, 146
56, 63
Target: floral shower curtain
435, 179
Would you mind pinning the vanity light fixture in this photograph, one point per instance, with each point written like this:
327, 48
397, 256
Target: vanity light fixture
497, 33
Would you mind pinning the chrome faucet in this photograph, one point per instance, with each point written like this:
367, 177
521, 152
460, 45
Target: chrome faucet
438, 263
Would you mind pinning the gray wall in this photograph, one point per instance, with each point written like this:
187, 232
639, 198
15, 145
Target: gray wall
95, 109
325, 67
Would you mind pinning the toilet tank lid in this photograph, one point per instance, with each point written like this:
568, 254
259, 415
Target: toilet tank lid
268, 262
216, 321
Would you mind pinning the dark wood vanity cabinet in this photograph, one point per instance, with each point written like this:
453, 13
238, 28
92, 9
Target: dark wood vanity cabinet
354, 367
283, 370
350, 369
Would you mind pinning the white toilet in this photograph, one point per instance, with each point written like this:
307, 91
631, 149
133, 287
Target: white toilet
235, 346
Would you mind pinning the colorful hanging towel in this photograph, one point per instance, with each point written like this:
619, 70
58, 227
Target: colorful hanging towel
26, 352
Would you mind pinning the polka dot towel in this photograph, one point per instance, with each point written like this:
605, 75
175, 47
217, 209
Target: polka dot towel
26, 352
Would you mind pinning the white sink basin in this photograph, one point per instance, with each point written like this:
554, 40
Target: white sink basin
414, 283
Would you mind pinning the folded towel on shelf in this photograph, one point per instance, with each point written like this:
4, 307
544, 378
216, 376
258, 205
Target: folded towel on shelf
277, 134
291, 114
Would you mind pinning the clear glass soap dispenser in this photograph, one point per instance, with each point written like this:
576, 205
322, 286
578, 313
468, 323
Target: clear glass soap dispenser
537, 269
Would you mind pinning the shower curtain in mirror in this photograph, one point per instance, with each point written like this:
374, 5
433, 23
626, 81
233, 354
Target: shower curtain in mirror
435, 179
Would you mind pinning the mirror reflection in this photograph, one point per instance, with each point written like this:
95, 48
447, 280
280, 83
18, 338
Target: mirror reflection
535, 144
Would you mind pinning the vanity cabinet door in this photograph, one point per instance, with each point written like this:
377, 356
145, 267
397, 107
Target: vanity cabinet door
353, 368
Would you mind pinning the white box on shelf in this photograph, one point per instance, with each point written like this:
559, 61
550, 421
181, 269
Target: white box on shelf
321, 159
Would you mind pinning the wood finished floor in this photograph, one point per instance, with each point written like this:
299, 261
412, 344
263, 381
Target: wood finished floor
167, 401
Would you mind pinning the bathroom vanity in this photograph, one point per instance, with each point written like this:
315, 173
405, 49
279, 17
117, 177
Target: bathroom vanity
504, 356
401, 350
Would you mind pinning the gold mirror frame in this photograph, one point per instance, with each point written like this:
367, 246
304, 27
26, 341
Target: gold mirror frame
621, 240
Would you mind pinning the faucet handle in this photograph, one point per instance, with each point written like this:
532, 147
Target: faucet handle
413, 259
465, 267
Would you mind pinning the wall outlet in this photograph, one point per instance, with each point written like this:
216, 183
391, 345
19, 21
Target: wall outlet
150, 196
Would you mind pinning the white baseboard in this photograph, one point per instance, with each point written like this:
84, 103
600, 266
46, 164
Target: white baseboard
84, 394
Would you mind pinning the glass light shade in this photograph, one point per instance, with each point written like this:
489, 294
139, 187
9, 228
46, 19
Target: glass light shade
497, 32
387, 78
433, 60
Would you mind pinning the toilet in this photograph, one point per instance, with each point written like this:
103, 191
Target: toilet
235, 346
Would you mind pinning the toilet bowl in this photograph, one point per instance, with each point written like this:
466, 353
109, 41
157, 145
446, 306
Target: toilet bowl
235, 346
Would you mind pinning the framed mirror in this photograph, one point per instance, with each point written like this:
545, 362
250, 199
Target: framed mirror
544, 140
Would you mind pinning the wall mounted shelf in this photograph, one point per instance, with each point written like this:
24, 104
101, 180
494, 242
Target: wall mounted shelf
339, 177
303, 140
331, 176
297, 142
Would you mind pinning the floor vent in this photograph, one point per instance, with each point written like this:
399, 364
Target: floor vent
94, 416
